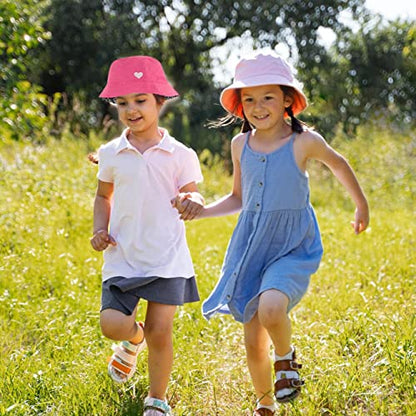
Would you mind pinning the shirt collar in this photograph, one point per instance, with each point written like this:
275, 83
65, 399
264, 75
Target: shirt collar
166, 143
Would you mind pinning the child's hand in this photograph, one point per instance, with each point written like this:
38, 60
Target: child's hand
101, 240
93, 158
362, 220
188, 204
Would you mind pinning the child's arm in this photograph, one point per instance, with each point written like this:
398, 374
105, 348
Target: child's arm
102, 208
315, 147
230, 203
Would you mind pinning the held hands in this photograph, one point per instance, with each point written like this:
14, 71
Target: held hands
188, 204
101, 240
362, 220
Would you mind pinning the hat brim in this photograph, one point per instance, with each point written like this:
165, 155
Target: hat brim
122, 89
230, 98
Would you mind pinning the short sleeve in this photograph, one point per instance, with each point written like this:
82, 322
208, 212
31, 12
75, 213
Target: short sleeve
105, 170
190, 168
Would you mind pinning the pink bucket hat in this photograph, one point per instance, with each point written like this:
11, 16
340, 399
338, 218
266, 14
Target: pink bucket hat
137, 75
260, 70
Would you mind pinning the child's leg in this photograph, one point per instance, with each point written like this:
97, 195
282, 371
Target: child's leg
120, 327
257, 344
273, 316
158, 332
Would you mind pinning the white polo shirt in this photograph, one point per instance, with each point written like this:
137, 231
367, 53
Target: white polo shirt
150, 237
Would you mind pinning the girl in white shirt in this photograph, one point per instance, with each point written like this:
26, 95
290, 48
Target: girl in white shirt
146, 254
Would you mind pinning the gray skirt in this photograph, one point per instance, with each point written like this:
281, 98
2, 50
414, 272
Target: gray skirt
123, 293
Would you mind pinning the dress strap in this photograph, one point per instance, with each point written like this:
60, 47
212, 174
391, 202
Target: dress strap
248, 136
291, 141
245, 143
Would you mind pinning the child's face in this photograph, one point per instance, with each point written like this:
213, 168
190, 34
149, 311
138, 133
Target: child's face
264, 106
138, 112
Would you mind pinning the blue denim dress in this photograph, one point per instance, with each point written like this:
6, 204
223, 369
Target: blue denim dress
276, 243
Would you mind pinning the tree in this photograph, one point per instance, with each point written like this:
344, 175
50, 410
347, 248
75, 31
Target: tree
22, 107
87, 36
377, 69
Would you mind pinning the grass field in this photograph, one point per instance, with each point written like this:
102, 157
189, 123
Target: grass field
354, 330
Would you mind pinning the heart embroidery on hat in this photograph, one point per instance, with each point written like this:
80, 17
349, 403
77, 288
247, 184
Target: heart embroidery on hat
138, 75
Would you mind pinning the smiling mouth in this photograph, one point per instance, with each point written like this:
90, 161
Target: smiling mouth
261, 117
133, 120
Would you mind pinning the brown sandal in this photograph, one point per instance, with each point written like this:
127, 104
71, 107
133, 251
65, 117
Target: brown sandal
263, 412
291, 383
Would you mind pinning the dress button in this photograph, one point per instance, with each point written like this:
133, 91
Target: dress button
260, 184
228, 297
257, 205
262, 159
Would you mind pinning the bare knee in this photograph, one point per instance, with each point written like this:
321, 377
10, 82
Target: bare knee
115, 325
273, 308
272, 315
158, 335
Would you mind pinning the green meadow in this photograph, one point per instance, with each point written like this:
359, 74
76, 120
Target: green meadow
354, 330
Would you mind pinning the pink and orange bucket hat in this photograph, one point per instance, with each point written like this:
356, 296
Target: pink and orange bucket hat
261, 69
137, 75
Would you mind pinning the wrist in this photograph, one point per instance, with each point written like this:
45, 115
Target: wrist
362, 205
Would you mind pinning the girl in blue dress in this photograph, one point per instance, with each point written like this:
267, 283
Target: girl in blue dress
276, 245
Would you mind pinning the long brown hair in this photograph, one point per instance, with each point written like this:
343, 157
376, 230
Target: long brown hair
297, 125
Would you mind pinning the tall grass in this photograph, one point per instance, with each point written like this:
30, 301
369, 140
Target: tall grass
354, 330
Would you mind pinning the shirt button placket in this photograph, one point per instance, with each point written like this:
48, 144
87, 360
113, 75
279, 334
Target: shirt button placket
259, 196
230, 287
261, 183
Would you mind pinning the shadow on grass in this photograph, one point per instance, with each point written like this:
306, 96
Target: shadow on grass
131, 398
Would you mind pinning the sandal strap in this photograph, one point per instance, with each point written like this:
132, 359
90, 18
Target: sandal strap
284, 383
129, 346
286, 365
121, 367
156, 404
135, 348
123, 355
263, 411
